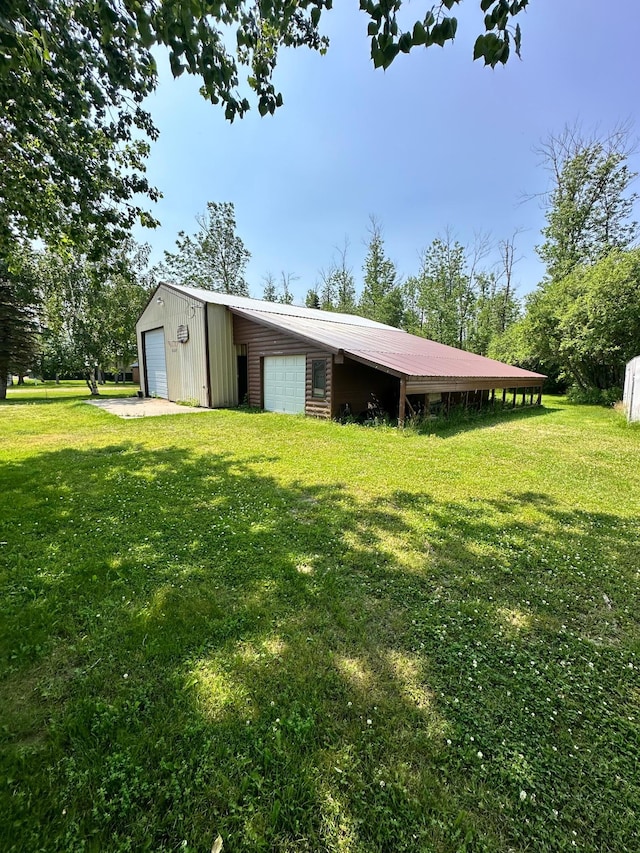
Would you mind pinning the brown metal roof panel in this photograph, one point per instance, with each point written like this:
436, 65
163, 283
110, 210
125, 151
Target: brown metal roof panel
391, 349
424, 366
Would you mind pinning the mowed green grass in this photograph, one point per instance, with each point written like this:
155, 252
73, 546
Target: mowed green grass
303, 636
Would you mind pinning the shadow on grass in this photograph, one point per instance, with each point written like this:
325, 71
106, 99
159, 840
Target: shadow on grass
191, 647
460, 421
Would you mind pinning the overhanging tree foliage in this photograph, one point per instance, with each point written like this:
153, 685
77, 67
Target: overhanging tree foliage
74, 74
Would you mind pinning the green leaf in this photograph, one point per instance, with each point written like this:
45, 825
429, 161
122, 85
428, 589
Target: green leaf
486, 4
405, 42
144, 28
390, 53
419, 34
372, 29
176, 66
376, 54
479, 47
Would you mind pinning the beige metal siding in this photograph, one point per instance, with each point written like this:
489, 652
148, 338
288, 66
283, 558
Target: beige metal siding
186, 362
223, 358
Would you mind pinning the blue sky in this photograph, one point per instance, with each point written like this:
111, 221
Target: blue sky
436, 141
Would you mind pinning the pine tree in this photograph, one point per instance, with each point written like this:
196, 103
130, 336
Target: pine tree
381, 298
19, 315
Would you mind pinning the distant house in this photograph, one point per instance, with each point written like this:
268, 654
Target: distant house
216, 350
631, 397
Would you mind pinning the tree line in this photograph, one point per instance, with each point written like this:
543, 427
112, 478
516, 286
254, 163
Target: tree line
64, 310
580, 325
456, 296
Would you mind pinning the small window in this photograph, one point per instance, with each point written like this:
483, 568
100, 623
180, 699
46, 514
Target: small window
319, 378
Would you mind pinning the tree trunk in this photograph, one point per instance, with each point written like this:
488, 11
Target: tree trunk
3, 382
20, 379
92, 383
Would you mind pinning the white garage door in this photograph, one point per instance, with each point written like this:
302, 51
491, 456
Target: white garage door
156, 364
284, 379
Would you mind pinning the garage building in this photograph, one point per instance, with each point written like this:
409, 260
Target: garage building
217, 350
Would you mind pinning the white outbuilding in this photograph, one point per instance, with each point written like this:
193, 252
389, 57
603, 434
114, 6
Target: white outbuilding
631, 398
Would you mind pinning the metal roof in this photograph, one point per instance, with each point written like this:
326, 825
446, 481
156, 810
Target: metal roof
381, 346
392, 349
275, 308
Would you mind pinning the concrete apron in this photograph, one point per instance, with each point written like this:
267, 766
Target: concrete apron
143, 407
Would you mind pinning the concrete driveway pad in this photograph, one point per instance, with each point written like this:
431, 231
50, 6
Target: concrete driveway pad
143, 407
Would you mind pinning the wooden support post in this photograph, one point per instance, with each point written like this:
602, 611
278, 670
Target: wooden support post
403, 401
427, 406
540, 395
531, 397
466, 401
504, 397
493, 398
524, 396
515, 397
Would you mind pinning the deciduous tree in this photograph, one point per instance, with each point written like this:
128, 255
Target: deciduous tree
590, 203
587, 325
90, 309
214, 258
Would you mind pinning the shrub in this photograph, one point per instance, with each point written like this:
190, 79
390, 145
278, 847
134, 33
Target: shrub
594, 396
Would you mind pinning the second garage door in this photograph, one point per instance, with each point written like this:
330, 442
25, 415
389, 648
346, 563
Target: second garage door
284, 381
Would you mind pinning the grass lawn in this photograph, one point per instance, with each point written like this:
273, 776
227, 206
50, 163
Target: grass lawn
311, 637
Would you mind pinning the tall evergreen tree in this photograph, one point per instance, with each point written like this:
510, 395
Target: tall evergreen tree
269, 292
19, 314
326, 290
345, 286
381, 297
312, 299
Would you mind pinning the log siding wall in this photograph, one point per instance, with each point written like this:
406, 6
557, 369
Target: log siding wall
262, 341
